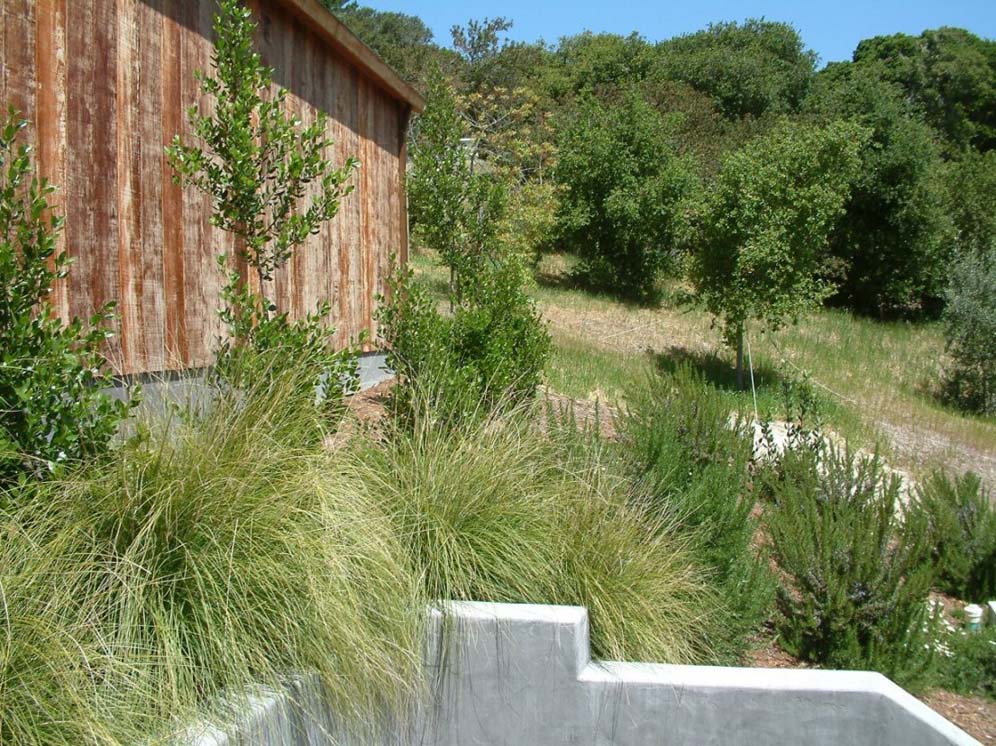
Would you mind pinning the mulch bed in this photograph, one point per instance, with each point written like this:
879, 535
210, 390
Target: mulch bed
975, 715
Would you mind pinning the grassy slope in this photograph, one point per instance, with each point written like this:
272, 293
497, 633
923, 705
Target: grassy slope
874, 379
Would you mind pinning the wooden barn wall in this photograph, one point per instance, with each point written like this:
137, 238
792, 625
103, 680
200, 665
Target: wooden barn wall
105, 85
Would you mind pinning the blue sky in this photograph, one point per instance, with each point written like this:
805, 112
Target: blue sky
831, 28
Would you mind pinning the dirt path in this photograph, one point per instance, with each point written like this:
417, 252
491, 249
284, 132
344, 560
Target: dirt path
919, 445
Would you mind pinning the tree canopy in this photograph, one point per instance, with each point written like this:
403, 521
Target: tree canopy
766, 222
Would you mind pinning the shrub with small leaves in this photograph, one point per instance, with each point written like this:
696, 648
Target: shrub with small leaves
971, 666
53, 410
263, 346
970, 330
626, 190
963, 534
766, 224
692, 459
488, 355
455, 210
856, 573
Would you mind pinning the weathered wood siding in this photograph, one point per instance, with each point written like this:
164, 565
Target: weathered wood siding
106, 85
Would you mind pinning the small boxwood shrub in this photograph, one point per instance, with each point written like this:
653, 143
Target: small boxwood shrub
855, 574
963, 534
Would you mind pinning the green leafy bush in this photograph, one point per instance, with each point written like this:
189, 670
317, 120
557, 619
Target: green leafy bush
692, 458
489, 354
455, 210
626, 189
855, 575
892, 244
749, 69
970, 330
970, 183
963, 534
766, 225
946, 75
53, 410
271, 186
264, 345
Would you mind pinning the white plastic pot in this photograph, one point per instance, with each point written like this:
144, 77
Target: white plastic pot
973, 617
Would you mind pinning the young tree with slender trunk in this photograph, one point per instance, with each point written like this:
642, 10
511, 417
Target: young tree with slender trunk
256, 161
271, 186
765, 226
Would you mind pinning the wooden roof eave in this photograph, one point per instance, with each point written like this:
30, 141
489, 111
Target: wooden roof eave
334, 32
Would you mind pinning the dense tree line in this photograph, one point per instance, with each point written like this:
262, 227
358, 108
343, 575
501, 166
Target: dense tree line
619, 150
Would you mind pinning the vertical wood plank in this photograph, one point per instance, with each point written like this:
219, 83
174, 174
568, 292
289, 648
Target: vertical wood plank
177, 352
3, 57
129, 181
344, 110
316, 289
348, 229
380, 213
327, 83
363, 279
147, 252
404, 116
50, 119
302, 263
200, 277
280, 55
19, 61
91, 200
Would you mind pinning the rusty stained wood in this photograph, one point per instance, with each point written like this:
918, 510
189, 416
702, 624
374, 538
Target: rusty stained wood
148, 292
50, 117
129, 183
334, 32
106, 84
92, 159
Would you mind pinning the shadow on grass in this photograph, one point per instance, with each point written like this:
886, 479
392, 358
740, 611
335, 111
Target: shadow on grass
558, 280
718, 371
568, 281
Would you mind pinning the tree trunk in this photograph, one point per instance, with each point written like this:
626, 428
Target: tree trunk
262, 296
740, 357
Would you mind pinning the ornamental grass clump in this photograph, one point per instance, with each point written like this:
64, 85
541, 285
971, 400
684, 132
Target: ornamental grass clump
494, 510
218, 554
48, 653
638, 572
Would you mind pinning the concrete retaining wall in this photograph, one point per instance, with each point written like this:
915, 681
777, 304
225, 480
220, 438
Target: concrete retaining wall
510, 675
